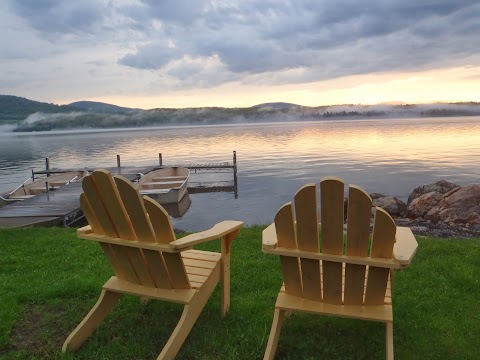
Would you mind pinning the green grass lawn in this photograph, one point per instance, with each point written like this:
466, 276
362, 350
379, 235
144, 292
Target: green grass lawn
49, 280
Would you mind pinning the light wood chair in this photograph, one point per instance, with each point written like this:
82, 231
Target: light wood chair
137, 238
328, 276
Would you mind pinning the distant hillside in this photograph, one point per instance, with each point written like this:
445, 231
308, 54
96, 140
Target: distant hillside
37, 116
14, 108
99, 107
277, 106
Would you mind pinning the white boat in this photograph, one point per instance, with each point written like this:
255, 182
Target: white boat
37, 185
177, 210
167, 185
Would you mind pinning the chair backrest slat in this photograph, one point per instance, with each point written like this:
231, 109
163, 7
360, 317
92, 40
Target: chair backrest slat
108, 192
121, 254
285, 229
94, 206
158, 269
332, 190
358, 232
98, 208
332, 215
90, 215
135, 209
307, 240
383, 240
307, 219
164, 234
115, 208
330, 281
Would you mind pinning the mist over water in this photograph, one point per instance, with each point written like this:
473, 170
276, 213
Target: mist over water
274, 160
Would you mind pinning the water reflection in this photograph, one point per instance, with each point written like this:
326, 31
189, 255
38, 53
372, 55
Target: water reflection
390, 156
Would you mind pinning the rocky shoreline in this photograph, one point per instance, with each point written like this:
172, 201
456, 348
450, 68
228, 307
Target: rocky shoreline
441, 209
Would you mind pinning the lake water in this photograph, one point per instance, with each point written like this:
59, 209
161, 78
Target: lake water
274, 160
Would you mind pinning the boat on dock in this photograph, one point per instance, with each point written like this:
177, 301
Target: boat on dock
166, 185
41, 184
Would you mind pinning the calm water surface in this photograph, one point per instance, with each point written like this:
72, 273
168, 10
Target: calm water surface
274, 160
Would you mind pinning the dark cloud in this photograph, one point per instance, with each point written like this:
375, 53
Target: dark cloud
57, 16
233, 39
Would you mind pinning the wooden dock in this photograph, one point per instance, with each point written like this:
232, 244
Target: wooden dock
61, 207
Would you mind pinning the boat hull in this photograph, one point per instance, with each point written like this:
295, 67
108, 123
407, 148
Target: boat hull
166, 186
32, 187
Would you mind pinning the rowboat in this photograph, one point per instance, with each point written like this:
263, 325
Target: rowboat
167, 185
40, 184
177, 210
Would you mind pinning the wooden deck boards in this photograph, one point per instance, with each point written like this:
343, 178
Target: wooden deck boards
62, 205
57, 207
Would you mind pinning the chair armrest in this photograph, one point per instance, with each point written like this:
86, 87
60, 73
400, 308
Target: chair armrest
219, 230
269, 237
405, 246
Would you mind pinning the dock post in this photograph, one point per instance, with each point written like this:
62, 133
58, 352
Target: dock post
33, 175
47, 165
160, 160
235, 180
47, 190
118, 161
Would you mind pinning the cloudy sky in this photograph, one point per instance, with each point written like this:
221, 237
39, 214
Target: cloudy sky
179, 53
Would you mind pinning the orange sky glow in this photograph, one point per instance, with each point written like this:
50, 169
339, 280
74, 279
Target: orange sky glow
459, 84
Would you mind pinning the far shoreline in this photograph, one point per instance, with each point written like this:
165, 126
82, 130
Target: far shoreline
74, 131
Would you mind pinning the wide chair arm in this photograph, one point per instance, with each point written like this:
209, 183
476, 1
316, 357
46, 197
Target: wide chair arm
224, 228
405, 246
269, 237
403, 251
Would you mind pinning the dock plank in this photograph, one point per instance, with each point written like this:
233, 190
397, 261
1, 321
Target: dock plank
57, 206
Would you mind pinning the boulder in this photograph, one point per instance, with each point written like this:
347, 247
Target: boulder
376, 196
441, 187
391, 204
459, 206
421, 205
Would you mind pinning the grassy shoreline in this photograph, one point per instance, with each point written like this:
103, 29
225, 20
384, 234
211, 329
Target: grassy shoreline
49, 280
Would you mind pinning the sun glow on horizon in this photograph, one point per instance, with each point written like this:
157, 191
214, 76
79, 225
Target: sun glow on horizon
461, 84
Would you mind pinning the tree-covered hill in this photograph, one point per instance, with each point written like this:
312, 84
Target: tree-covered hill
100, 107
37, 116
15, 108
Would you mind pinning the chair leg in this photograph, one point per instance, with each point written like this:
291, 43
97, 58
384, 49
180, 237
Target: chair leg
187, 320
189, 316
225, 278
389, 340
104, 304
278, 318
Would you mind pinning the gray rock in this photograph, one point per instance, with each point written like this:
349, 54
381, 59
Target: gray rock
421, 205
441, 187
459, 206
376, 196
391, 204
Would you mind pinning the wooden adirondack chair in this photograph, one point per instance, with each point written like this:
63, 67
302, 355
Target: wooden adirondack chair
327, 277
139, 243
